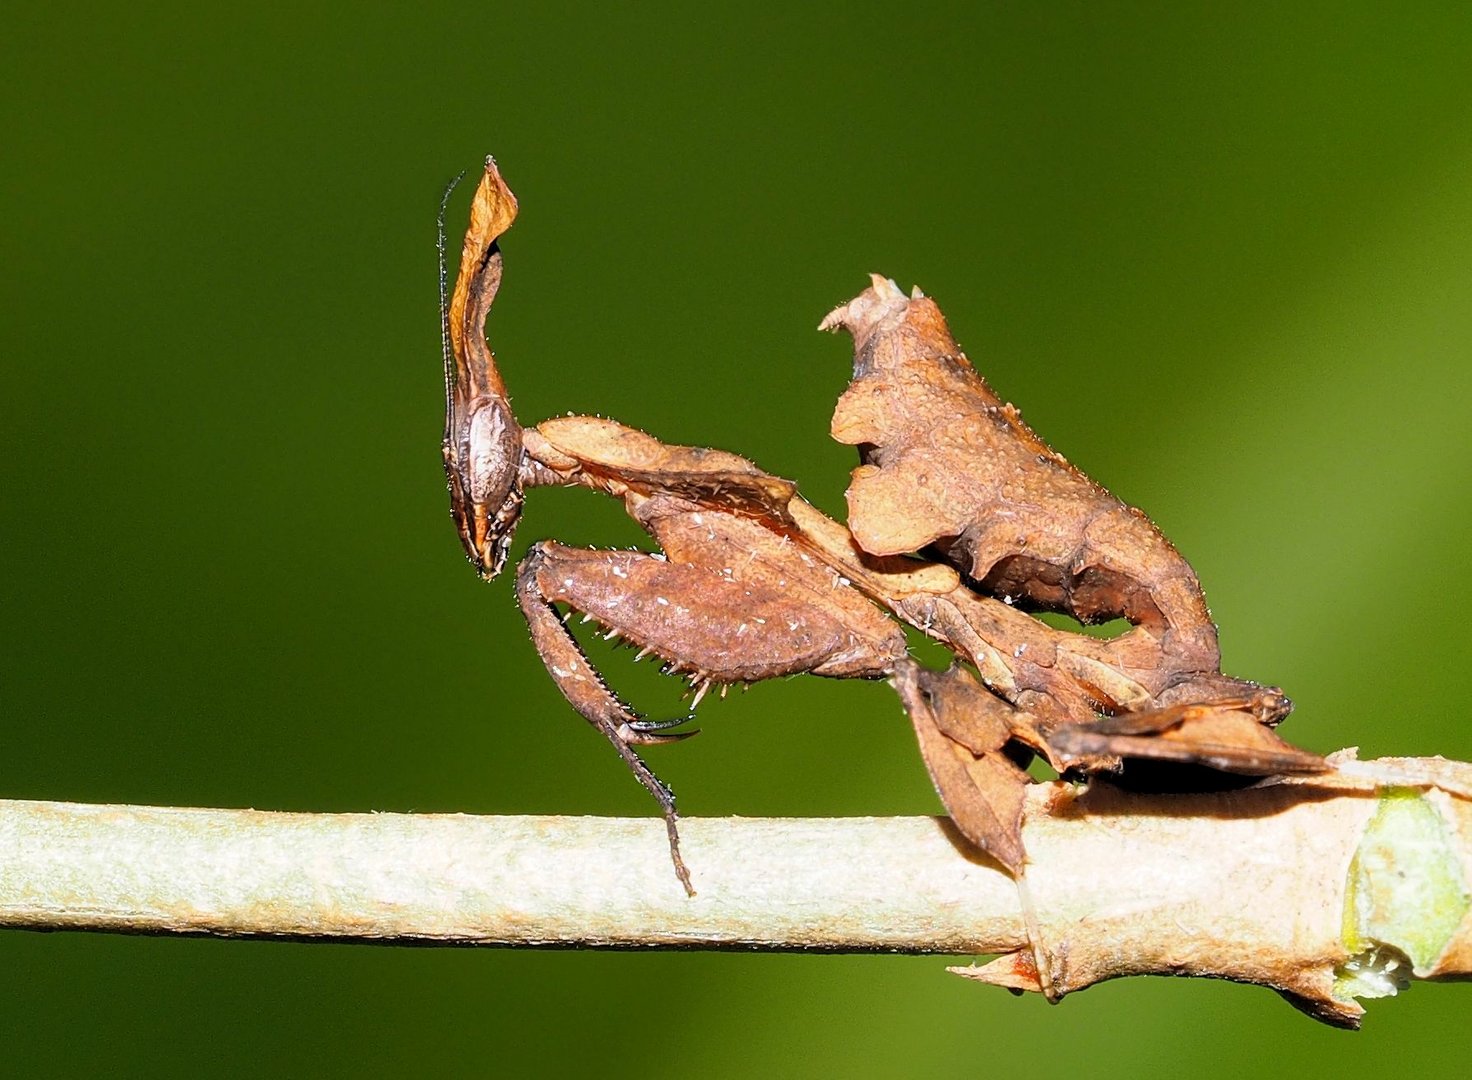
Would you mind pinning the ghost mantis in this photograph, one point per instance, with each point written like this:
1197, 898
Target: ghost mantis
962, 524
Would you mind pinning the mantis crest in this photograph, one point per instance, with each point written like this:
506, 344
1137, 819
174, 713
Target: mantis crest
962, 523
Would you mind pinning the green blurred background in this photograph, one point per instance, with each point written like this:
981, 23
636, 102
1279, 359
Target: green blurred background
1223, 260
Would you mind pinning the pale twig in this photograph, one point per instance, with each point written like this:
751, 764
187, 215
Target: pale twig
1291, 885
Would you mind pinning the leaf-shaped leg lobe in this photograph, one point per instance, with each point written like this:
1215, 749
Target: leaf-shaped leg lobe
699, 621
615, 458
962, 730
1227, 735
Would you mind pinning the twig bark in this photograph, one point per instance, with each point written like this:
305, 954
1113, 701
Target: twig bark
1315, 891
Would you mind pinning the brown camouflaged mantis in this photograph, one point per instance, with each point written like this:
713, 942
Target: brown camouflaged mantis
962, 521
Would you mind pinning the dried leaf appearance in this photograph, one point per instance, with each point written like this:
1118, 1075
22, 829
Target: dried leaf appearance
963, 523
964, 731
949, 470
949, 465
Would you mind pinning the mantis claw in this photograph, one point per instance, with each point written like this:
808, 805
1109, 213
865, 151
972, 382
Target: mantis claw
655, 732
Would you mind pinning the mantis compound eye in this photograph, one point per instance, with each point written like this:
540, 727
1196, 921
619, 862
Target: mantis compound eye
482, 460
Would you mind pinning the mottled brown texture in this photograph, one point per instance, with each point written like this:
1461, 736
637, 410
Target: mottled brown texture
962, 521
948, 463
736, 596
963, 731
951, 471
